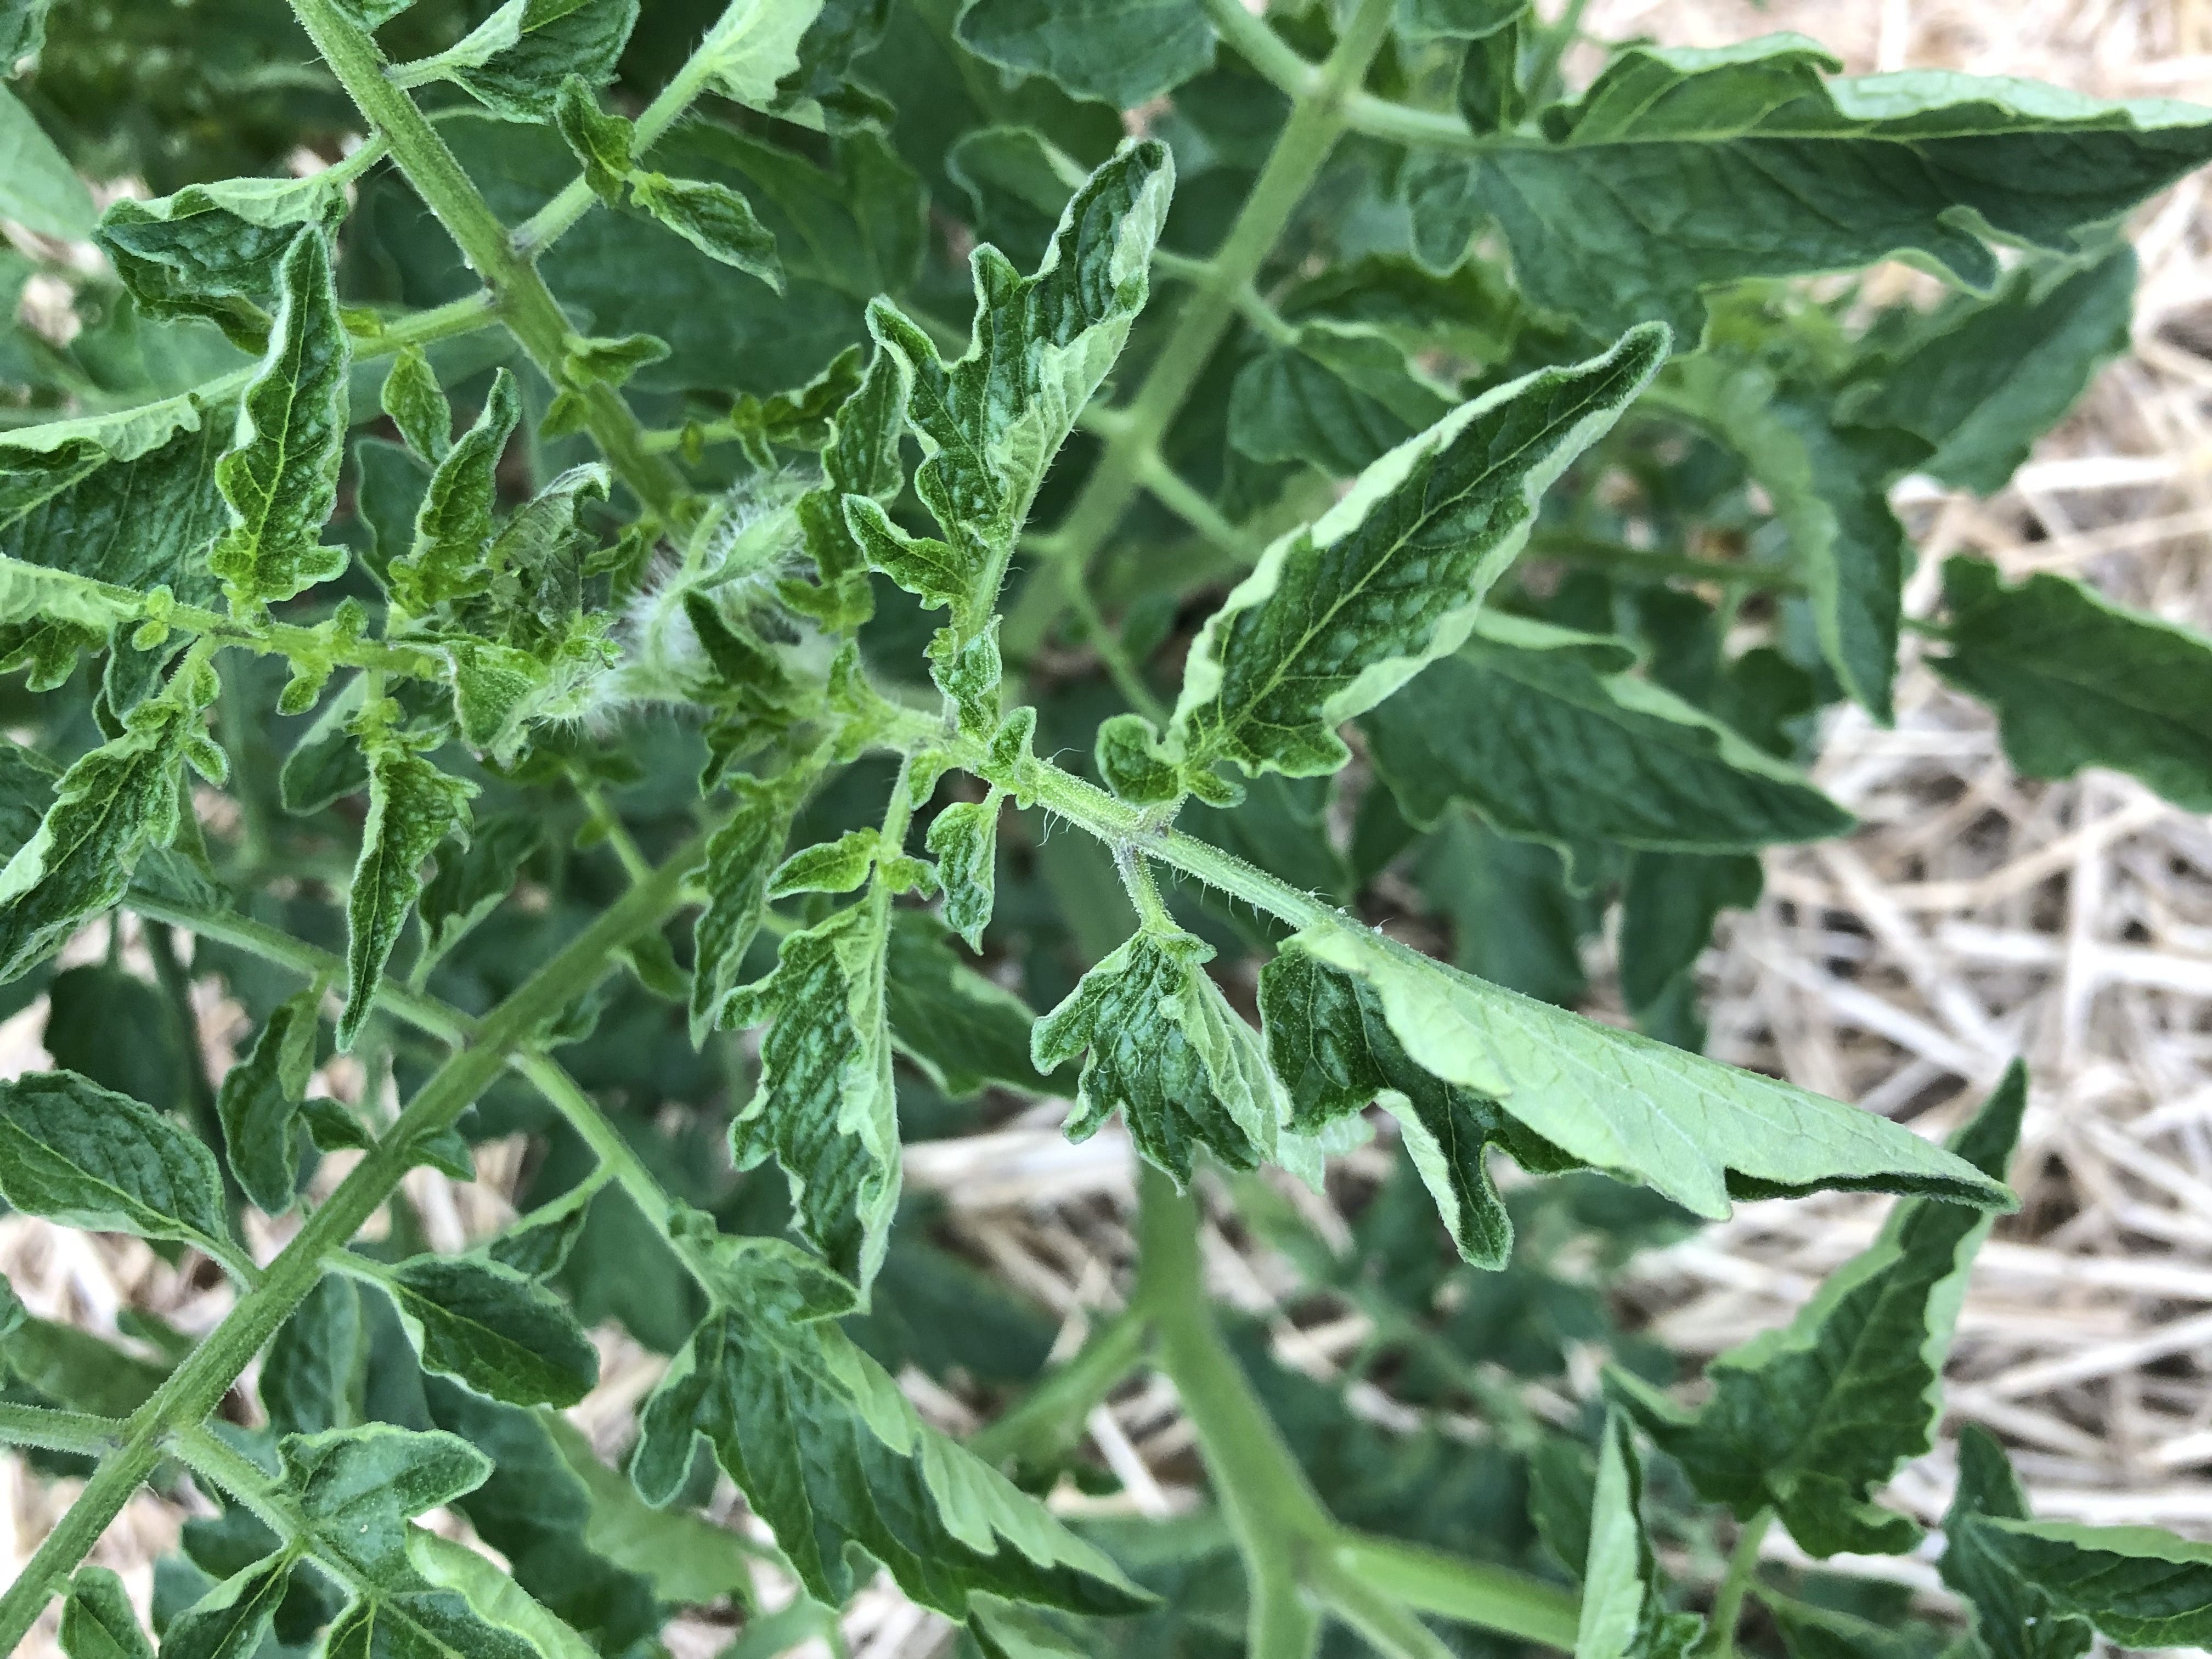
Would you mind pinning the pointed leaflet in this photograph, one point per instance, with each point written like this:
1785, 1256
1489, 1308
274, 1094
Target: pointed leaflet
281, 474
965, 836
1623, 1616
1545, 731
259, 1102
1668, 908
1338, 395
605, 143
516, 61
418, 406
739, 857
1328, 1041
311, 1375
231, 1621
1121, 52
965, 1031
755, 45
1678, 168
98, 1621
472, 883
111, 806
991, 423
412, 806
1981, 379
1340, 614
2141, 1586
1167, 1051
828, 1452
2012, 1618
214, 250
2078, 680
824, 1106
502, 1333
85, 1156
712, 218
1694, 1130
454, 527
39, 189
1809, 1419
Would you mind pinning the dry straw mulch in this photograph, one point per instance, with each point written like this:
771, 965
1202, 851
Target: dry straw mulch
1974, 916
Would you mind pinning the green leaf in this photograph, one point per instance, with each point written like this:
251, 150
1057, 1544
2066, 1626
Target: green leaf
991, 423
110, 807
1548, 734
12, 1311
2012, 1617
1829, 490
98, 1621
418, 406
712, 218
1679, 169
2140, 1586
39, 189
1167, 1051
1121, 52
538, 1245
232, 1620
1016, 182
755, 46
1490, 97
1339, 397
471, 883
824, 1105
740, 856
516, 61
1694, 1130
281, 475
965, 1031
828, 1453
325, 763
22, 29
259, 1102
834, 866
1340, 614
312, 1375
453, 527
690, 1560
1328, 1041
605, 143
216, 251
1668, 908
1623, 1614
965, 836
1808, 1420
412, 806
487, 1326
1466, 20
1980, 381
2078, 680
496, 1602
1815, 1632
804, 418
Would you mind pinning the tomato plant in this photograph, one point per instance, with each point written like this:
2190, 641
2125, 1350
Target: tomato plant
657, 582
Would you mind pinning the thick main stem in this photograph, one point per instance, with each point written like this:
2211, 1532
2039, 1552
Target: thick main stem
197, 1387
524, 302
1317, 121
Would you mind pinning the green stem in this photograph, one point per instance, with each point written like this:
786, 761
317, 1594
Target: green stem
1189, 503
1121, 667
1452, 1587
1279, 1523
1544, 68
1742, 1572
1050, 1417
58, 1431
197, 1386
199, 1093
1317, 121
525, 305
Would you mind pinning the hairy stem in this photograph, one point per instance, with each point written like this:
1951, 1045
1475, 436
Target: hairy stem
1317, 121
524, 302
58, 1431
1742, 1570
197, 1387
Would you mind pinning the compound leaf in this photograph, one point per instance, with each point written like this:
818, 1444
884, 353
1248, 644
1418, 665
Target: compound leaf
1340, 614
98, 1621
2012, 1617
1166, 1050
502, 1334
85, 1156
2078, 680
1121, 52
412, 806
1689, 1128
824, 1106
281, 475
991, 423
1548, 734
828, 1453
1809, 1419
258, 1104
1679, 169
2143, 1587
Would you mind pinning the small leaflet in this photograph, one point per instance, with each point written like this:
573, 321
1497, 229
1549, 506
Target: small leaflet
98, 1621
418, 406
712, 218
964, 838
740, 856
500, 1333
1122, 53
1623, 1614
453, 527
258, 1104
